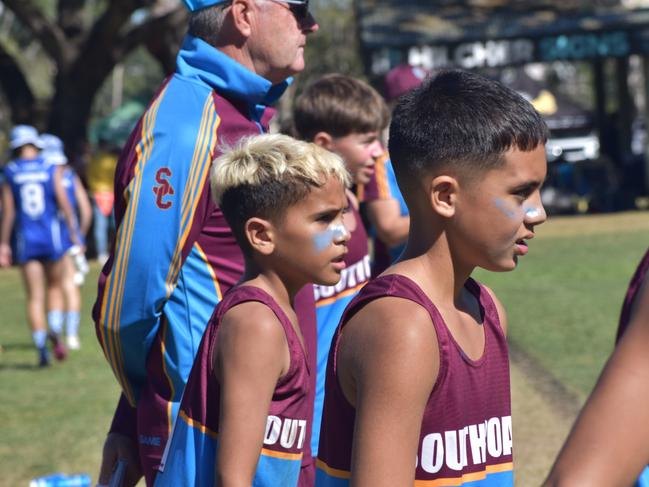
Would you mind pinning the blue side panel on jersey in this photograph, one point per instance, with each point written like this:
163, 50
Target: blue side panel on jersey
497, 479
327, 317
324, 480
272, 471
191, 458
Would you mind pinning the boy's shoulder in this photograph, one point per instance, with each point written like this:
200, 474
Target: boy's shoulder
390, 305
250, 305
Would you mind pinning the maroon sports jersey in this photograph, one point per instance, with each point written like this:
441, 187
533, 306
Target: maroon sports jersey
466, 432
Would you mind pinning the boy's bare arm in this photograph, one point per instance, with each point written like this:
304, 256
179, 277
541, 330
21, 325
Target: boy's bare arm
609, 443
7, 222
250, 356
64, 204
85, 207
388, 364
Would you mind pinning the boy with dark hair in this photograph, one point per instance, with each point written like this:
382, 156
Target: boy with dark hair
418, 373
344, 115
244, 415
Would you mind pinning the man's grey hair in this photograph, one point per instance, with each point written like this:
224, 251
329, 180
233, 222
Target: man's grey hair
206, 23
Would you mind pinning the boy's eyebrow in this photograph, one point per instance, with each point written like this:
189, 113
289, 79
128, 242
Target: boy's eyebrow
529, 185
329, 211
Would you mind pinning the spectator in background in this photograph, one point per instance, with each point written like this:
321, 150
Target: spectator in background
101, 175
75, 266
385, 207
32, 196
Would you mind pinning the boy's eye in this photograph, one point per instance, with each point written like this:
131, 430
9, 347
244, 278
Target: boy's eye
327, 217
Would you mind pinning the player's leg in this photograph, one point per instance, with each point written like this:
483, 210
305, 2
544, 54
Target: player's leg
72, 296
34, 279
55, 305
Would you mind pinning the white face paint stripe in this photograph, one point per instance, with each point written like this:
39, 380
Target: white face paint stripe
333, 233
532, 212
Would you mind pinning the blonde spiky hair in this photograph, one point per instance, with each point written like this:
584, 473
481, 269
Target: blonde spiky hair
263, 175
260, 159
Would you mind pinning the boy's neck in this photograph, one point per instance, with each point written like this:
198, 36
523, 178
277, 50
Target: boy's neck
271, 282
428, 260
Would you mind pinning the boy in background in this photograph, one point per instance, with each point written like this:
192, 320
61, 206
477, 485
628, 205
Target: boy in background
384, 204
346, 116
249, 387
418, 373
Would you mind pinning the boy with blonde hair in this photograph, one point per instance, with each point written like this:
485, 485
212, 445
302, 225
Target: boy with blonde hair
248, 390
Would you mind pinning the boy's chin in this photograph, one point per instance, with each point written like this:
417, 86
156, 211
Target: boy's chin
502, 266
329, 279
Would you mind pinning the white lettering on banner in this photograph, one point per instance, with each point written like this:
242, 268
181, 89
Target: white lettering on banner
473, 54
286, 430
494, 436
350, 277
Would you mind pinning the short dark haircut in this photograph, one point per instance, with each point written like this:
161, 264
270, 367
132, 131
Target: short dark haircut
462, 120
338, 105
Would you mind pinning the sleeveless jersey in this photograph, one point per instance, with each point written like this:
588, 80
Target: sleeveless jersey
37, 226
632, 291
191, 449
330, 303
466, 431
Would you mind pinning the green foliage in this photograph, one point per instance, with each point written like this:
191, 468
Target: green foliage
142, 75
334, 48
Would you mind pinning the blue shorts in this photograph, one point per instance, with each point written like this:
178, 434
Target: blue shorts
43, 250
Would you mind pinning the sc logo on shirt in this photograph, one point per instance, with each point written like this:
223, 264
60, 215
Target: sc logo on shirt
163, 189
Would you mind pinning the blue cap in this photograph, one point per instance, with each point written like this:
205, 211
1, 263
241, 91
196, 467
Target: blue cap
23, 135
53, 149
194, 5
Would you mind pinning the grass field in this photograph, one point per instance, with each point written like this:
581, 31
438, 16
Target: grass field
564, 299
563, 303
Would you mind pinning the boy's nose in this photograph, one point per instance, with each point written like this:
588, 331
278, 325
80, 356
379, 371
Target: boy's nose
535, 215
376, 149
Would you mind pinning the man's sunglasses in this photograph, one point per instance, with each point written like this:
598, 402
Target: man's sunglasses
299, 8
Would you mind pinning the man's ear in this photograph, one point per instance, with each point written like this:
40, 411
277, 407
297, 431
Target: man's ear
324, 140
260, 235
442, 193
242, 12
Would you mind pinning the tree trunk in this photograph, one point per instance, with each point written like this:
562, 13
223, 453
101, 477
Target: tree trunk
19, 95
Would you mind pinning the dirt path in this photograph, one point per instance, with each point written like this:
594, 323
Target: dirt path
543, 411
